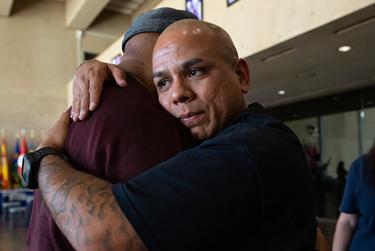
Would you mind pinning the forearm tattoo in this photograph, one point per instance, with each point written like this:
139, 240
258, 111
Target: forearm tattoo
85, 209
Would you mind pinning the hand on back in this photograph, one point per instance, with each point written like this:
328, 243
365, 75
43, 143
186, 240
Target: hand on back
88, 84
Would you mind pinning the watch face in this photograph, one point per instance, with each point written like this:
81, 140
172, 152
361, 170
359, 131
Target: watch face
26, 169
20, 164
30, 165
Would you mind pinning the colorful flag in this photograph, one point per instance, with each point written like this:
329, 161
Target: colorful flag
31, 140
17, 146
16, 180
4, 165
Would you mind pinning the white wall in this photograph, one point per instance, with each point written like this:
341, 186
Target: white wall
177, 4
37, 58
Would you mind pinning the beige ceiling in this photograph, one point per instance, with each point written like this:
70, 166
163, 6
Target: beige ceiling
310, 65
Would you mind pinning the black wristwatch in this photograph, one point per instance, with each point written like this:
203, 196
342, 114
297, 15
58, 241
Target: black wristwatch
30, 165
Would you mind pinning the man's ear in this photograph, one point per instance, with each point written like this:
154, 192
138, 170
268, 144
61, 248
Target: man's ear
242, 70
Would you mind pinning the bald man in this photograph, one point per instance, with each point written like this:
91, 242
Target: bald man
247, 186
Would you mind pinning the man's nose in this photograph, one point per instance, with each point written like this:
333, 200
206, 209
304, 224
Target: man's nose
182, 93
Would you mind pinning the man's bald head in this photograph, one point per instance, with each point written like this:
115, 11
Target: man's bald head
208, 35
199, 77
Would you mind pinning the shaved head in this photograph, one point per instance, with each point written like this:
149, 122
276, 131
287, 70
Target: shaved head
205, 33
199, 77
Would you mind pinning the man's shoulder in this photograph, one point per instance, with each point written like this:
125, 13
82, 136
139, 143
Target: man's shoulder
255, 123
259, 135
359, 169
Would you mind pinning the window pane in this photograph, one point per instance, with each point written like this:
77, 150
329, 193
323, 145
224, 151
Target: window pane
307, 131
340, 139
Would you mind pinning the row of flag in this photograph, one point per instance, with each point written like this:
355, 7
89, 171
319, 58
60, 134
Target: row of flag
8, 167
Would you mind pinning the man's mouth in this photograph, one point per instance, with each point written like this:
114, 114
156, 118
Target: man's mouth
191, 119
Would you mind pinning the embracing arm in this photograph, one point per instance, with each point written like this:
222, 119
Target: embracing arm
82, 205
85, 209
345, 227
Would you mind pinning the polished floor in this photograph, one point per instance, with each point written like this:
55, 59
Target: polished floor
12, 232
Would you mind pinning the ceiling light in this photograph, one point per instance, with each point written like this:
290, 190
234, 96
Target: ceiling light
344, 48
281, 92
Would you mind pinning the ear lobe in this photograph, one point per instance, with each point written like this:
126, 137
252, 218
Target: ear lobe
242, 70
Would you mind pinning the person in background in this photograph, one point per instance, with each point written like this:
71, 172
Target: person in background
128, 134
355, 228
341, 171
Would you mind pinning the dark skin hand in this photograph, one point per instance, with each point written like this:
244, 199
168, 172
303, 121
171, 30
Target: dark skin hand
88, 84
82, 205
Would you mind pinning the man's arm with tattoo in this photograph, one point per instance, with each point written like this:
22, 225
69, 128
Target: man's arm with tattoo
82, 205
85, 209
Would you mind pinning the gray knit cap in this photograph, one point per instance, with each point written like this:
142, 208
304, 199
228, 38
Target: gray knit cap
156, 20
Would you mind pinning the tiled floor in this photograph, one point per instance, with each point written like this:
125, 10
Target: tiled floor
12, 232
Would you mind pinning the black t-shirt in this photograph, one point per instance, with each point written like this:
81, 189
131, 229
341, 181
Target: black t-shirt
248, 188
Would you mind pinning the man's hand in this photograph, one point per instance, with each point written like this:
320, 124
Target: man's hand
88, 84
56, 135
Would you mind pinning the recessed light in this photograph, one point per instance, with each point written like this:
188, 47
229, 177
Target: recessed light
281, 92
344, 48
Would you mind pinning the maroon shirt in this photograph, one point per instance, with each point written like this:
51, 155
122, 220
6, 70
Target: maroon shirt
128, 134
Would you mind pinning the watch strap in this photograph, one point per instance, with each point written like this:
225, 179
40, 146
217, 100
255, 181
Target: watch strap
31, 163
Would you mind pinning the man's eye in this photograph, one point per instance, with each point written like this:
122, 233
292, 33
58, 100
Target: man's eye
195, 72
162, 83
